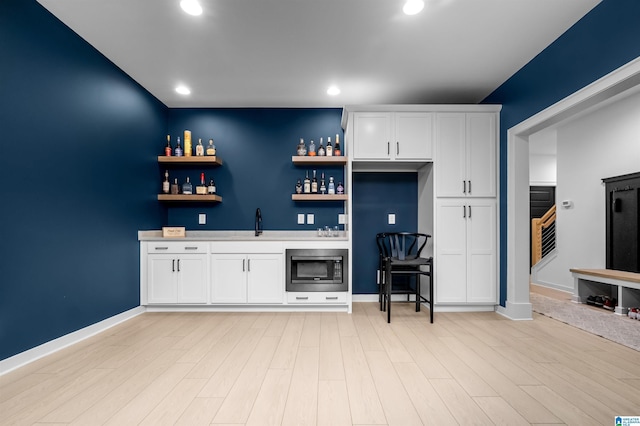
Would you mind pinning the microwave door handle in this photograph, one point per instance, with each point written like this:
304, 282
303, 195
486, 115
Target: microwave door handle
315, 258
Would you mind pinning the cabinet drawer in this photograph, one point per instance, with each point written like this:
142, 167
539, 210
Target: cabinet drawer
175, 247
316, 297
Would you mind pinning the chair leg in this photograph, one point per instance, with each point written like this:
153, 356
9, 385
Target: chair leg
417, 293
431, 292
388, 284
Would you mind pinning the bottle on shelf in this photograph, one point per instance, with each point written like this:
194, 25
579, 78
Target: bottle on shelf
187, 143
211, 148
167, 149
178, 150
211, 189
329, 148
202, 188
299, 187
336, 150
340, 188
199, 148
314, 183
332, 186
321, 151
187, 188
166, 185
312, 149
302, 148
307, 184
323, 188
174, 187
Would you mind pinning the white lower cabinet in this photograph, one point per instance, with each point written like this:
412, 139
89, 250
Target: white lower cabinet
465, 244
317, 297
247, 278
177, 278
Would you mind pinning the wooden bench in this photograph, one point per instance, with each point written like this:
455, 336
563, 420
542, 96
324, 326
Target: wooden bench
622, 285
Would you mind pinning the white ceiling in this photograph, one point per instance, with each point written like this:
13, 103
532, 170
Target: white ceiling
285, 53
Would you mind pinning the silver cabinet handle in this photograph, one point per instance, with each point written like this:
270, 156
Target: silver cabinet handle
191, 248
243, 265
162, 248
331, 297
302, 298
178, 265
464, 212
173, 265
397, 148
464, 186
469, 187
388, 147
469, 212
249, 265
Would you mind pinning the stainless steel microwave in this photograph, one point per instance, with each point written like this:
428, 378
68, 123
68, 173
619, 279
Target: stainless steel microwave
317, 269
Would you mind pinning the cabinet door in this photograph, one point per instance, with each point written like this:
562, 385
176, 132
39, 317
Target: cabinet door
192, 279
265, 281
413, 136
162, 279
481, 155
450, 161
372, 136
482, 286
228, 278
451, 259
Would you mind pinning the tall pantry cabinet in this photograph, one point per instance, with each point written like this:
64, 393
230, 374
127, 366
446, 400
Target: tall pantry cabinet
465, 239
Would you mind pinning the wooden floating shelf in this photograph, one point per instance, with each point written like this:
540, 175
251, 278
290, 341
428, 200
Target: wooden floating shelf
193, 197
194, 159
319, 197
335, 160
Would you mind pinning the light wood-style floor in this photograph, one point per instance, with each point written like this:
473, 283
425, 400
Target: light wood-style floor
328, 369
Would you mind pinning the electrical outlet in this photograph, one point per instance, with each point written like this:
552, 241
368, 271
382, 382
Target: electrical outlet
202, 219
342, 219
392, 219
310, 219
301, 219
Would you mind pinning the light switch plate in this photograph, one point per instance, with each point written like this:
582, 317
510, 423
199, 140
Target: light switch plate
301, 219
342, 219
392, 219
310, 219
202, 219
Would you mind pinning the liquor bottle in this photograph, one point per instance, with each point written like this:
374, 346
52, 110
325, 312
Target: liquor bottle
187, 143
202, 188
307, 184
336, 150
175, 187
211, 189
199, 148
321, 151
298, 187
340, 188
314, 184
329, 147
332, 186
167, 149
166, 184
187, 188
312, 149
178, 151
302, 149
211, 148
323, 188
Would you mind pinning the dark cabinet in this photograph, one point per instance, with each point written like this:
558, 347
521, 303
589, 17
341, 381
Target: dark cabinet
623, 222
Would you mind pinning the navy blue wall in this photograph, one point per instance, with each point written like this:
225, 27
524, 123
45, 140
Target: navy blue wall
77, 180
375, 195
256, 146
605, 39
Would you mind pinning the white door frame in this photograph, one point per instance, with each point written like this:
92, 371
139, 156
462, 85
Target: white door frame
589, 98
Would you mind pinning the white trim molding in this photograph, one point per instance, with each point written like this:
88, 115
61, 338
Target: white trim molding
24, 358
599, 93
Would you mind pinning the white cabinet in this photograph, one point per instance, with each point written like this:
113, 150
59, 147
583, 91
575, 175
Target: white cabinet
177, 275
466, 159
400, 136
247, 278
466, 239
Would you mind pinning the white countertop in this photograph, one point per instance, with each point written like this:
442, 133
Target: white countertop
156, 235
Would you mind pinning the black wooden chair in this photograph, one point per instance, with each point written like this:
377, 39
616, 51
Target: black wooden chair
399, 256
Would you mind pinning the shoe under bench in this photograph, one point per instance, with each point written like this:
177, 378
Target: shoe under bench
622, 285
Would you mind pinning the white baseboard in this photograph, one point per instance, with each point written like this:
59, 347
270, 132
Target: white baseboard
24, 358
516, 311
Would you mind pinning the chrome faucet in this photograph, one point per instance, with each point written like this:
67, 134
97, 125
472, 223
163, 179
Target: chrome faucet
258, 222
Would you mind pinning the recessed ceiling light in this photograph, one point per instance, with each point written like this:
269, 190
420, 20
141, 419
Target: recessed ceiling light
412, 7
333, 91
183, 90
192, 7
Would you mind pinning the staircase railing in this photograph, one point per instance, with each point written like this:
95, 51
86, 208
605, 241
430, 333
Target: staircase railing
543, 235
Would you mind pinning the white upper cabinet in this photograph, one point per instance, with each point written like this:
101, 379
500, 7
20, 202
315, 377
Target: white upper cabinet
397, 136
466, 163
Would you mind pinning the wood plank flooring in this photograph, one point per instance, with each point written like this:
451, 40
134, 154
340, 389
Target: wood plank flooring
328, 369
